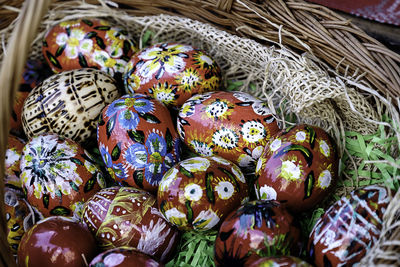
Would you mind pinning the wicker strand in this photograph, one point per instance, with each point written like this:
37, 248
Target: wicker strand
13, 63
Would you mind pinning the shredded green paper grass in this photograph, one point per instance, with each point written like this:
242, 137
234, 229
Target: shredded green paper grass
195, 249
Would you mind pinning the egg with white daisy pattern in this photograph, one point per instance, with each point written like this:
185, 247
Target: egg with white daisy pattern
233, 125
199, 192
298, 167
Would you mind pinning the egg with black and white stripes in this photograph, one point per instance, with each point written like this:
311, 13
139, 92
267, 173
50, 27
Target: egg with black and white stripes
68, 104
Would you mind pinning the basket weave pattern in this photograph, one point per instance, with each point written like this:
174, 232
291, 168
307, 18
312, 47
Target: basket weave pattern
298, 25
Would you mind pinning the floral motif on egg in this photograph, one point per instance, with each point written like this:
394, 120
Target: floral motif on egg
197, 193
86, 43
233, 125
12, 162
256, 229
349, 228
138, 141
171, 73
57, 174
300, 163
126, 216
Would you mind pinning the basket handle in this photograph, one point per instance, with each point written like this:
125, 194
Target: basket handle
14, 59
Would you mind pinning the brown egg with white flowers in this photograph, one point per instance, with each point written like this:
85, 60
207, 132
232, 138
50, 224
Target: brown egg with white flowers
299, 167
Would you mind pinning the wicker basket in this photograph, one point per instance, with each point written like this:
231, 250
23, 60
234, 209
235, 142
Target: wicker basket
296, 24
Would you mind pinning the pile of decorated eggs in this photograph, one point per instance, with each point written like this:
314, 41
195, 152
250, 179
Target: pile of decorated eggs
106, 94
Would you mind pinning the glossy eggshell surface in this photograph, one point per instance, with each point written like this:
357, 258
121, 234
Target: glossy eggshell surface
85, 43
198, 193
58, 175
299, 167
257, 229
233, 125
34, 72
171, 73
349, 228
126, 216
13, 155
138, 141
123, 257
16, 212
56, 241
69, 104
282, 261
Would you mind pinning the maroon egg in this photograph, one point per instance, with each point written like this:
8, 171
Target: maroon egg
124, 257
56, 241
83, 43
257, 229
299, 167
349, 228
138, 141
171, 73
199, 192
126, 216
232, 125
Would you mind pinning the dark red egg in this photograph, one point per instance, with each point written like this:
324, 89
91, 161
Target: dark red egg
257, 229
199, 192
282, 261
232, 125
126, 216
56, 241
138, 141
58, 175
299, 167
88, 43
15, 146
349, 228
35, 71
124, 257
171, 73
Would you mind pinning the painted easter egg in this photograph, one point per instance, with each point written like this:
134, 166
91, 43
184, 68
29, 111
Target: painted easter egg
88, 43
58, 175
127, 216
199, 192
123, 257
56, 241
35, 71
299, 167
257, 229
138, 141
13, 155
68, 104
349, 228
171, 73
282, 261
233, 125
19, 217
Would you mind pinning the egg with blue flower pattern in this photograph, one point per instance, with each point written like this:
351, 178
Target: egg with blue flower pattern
233, 125
199, 192
171, 73
88, 43
298, 167
138, 141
